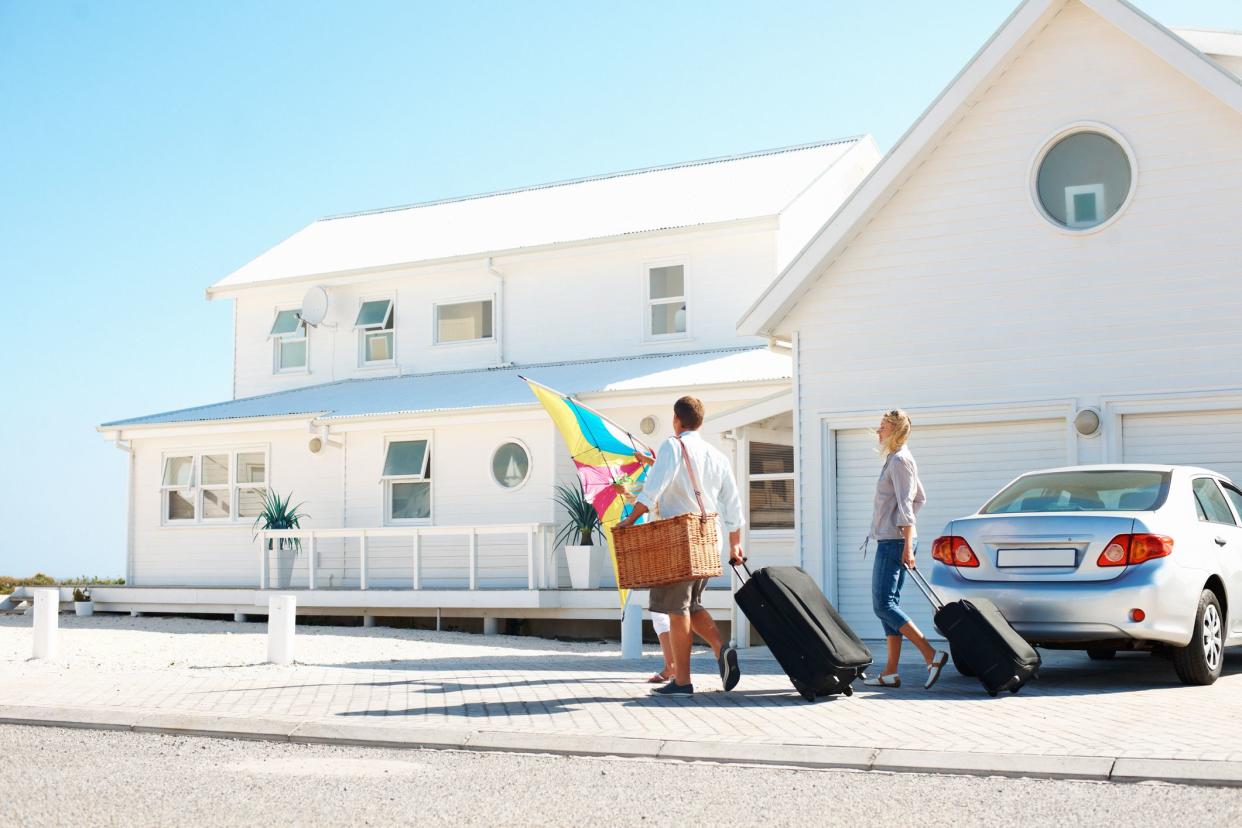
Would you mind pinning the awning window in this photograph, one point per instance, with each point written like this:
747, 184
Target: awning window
374, 315
407, 458
288, 322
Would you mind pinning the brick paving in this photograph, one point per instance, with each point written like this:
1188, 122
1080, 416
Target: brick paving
1132, 706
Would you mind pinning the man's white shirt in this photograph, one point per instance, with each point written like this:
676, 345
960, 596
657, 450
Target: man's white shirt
668, 482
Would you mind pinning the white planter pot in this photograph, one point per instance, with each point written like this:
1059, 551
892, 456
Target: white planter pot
586, 565
84, 608
286, 558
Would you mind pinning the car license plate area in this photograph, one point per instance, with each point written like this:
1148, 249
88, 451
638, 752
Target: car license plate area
1023, 558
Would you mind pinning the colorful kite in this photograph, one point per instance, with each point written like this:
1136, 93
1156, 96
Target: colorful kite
603, 454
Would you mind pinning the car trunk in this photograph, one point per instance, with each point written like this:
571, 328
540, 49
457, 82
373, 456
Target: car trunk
1042, 547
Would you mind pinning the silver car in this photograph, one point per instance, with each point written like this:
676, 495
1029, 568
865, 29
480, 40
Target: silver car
1107, 558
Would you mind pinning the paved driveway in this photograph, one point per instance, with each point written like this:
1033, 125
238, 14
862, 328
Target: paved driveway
1130, 707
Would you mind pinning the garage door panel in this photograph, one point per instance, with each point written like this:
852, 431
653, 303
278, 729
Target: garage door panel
961, 467
1211, 439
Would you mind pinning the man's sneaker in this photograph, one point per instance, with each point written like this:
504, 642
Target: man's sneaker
674, 689
729, 671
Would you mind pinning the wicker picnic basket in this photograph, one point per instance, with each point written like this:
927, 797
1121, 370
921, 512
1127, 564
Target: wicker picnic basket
681, 548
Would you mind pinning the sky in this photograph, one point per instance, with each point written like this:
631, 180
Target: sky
152, 148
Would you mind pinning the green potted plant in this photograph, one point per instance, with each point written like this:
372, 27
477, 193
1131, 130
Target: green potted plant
580, 531
83, 604
279, 513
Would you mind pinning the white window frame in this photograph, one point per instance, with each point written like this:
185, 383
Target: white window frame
365, 330
452, 343
278, 340
1071, 212
648, 302
1037, 161
190, 490
530, 464
197, 487
386, 482
753, 478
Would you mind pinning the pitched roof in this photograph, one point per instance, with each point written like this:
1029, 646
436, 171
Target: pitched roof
658, 198
1023, 26
488, 387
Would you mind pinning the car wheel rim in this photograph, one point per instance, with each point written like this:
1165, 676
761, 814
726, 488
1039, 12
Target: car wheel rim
1212, 644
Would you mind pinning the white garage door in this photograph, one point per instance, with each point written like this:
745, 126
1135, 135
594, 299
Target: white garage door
961, 467
1211, 439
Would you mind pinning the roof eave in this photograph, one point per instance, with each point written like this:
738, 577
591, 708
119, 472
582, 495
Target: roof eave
221, 291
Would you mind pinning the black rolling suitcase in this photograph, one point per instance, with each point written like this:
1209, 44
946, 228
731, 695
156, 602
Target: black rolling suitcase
983, 642
815, 647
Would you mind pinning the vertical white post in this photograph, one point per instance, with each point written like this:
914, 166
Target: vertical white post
418, 563
740, 632
310, 561
368, 620
239, 617
362, 561
46, 621
474, 560
491, 626
262, 560
530, 556
632, 629
281, 620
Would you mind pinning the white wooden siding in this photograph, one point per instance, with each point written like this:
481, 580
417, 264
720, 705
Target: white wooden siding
1209, 439
225, 555
961, 466
580, 303
960, 293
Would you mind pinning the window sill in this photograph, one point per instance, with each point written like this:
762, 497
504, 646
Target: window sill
378, 366
292, 372
465, 343
663, 340
208, 524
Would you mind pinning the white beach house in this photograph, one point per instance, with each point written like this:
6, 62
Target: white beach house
1046, 270
376, 378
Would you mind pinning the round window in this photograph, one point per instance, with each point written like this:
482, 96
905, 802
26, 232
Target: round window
510, 465
1083, 180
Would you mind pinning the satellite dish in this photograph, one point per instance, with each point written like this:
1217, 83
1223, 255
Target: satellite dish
314, 306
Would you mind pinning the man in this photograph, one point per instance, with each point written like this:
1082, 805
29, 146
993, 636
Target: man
668, 482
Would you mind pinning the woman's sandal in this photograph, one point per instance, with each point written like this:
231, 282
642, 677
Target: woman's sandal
890, 680
933, 669
660, 678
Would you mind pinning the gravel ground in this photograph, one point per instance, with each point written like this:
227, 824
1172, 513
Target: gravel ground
53, 776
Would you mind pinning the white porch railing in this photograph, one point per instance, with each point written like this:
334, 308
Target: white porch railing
541, 568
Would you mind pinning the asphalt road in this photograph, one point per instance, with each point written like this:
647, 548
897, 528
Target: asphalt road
54, 776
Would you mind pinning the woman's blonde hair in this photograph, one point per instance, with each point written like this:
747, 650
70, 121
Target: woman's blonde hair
900, 421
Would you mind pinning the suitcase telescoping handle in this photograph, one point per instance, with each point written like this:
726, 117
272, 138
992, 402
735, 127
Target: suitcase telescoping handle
926, 588
744, 566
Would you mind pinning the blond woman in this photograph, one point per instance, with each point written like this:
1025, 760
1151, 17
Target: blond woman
898, 498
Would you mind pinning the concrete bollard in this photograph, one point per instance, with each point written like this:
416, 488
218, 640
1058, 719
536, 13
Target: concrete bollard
368, 620
632, 629
239, 617
281, 619
491, 626
46, 622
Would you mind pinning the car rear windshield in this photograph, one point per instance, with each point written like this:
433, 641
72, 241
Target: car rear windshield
1081, 491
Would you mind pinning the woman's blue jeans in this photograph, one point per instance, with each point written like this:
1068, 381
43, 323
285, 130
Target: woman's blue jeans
887, 577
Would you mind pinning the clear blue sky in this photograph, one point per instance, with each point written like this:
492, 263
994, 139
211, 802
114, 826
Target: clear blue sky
151, 148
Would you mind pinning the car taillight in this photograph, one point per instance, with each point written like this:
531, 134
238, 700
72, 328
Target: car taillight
953, 551
1129, 550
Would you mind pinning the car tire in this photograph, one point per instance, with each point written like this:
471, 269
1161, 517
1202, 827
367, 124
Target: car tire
1101, 653
1199, 662
960, 665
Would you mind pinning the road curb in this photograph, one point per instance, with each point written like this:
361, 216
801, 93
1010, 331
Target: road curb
891, 760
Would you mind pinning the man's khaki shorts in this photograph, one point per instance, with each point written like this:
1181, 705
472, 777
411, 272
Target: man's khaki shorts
682, 598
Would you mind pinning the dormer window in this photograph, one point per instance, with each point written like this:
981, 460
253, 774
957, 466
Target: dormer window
666, 302
375, 332
288, 337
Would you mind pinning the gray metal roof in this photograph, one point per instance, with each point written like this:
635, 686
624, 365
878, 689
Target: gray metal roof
489, 387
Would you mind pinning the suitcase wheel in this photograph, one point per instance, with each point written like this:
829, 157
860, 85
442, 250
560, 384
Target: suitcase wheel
849, 691
993, 693
804, 691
